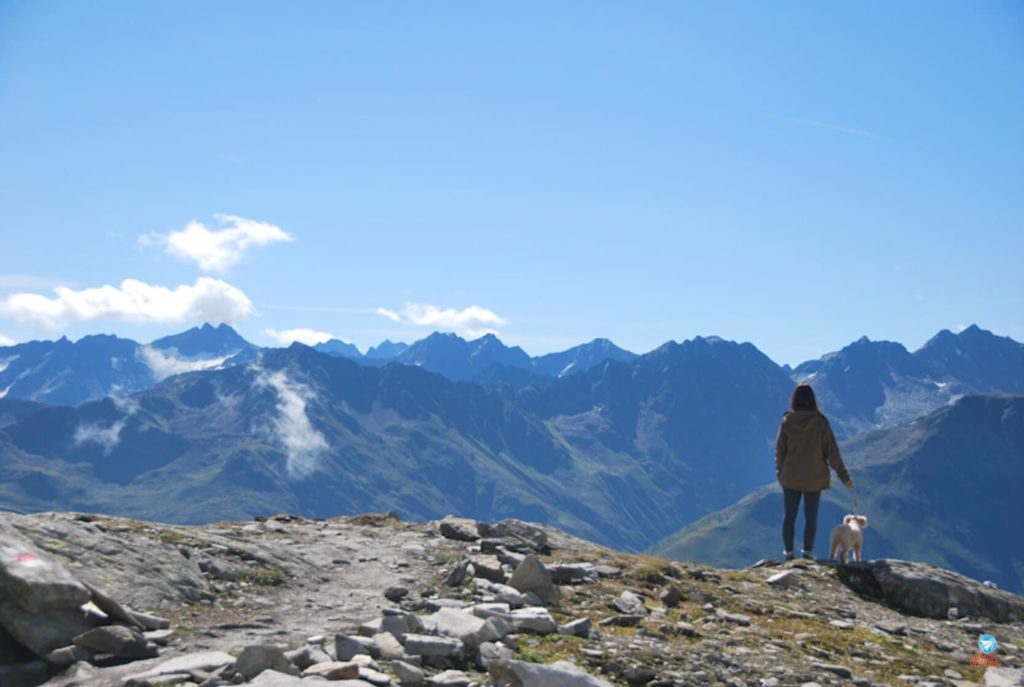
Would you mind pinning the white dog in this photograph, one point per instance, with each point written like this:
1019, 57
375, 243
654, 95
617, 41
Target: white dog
848, 536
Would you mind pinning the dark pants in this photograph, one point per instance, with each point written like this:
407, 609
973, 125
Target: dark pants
811, 501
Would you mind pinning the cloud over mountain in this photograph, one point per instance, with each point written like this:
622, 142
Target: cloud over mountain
218, 249
473, 321
301, 442
309, 337
208, 299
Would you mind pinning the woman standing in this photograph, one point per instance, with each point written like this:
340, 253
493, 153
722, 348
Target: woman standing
804, 450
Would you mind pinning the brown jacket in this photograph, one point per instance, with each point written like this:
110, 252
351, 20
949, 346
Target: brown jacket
804, 449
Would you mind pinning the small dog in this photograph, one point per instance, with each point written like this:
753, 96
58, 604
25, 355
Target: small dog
848, 536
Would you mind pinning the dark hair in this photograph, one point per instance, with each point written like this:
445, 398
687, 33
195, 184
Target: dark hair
803, 398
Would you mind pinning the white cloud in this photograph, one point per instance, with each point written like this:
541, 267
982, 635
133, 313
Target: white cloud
473, 321
310, 337
7, 341
165, 363
218, 249
107, 437
209, 300
301, 442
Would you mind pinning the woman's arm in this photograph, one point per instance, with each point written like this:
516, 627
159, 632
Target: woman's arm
833, 457
780, 451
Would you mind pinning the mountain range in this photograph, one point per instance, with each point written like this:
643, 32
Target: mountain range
623, 449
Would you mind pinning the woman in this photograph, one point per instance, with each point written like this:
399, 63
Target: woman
804, 450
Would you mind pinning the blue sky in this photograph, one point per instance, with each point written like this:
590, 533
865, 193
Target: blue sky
791, 174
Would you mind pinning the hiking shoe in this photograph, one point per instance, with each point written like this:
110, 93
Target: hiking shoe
807, 555
788, 555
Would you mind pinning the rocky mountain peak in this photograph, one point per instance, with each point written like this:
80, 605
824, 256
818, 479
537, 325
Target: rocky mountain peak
285, 601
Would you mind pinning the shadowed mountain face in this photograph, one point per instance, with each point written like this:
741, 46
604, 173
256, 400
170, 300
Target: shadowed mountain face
624, 452
943, 490
872, 384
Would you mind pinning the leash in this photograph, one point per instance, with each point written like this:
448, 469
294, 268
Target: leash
856, 502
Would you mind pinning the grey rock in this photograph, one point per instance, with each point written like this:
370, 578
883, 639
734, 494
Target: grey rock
43, 631
257, 658
149, 622
348, 646
388, 646
67, 655
395, 594
459, 529
737, 618
205, 661
307, 656
530, 535
577, 628
841, 671
629, 604
489, 652
561, 674
573, 573
502, 592
451, 678
273, 678
458, 574
1004, 677
532, 576
670, 596
428, 645
488, 568
786, 578
333, 670
407, 673
635, 677
36, 582
923, 590
533, 619
116, 640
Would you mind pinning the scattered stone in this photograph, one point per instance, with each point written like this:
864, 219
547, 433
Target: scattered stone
635, 677
1004, 677
348, 646
333, 670
428, 645
561, 674
841, 671
488, 568
395, 594
785, 579
737, 618
116, 640
388, 646
671, 596
573, 573
622, 621
532, 576
533, 619
273, 678
577, 628
451, 678
459, 529
205, 661
458, 574
309, 655
526, 533
374, 677
407, 673
67, 655
490, 652
629, 603
841, 624
256, 658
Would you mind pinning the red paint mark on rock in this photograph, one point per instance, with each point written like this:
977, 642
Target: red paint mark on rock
25, 557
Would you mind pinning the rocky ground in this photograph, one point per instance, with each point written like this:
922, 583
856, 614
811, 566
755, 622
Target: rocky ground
373, 601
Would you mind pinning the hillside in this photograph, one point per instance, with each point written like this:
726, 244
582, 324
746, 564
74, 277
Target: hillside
943, 489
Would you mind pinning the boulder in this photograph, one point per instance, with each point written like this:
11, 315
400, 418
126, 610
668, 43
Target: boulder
333, 670
490, 652
573, 573
257, 658
561, 674
502, 592
451, 678
116, 640
388, 646
406, 673
347, 646
923, 590
577, 628
466, 627
38, 583
273, 678
488, 568
205, 661
429, 645
533, 619
459, 529
531, 536
532, 576
307, 656
43, 631
458, 574
629, 603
